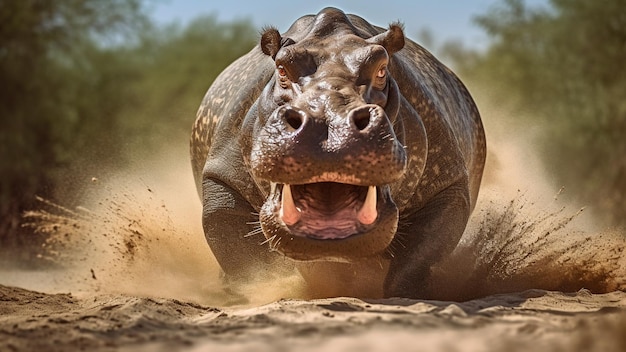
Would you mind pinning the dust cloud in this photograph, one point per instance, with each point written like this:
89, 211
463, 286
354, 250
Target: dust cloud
523, 234
140, 234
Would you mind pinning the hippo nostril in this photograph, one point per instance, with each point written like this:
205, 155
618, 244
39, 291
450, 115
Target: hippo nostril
293, 118
361, 118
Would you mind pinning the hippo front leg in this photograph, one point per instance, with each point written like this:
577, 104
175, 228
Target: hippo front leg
227, 219
430, 234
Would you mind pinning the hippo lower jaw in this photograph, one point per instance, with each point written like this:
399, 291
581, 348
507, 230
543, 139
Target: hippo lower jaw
329, 220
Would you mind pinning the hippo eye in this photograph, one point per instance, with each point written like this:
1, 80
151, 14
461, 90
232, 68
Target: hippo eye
381, 78
382, 72
281, 71
283, 80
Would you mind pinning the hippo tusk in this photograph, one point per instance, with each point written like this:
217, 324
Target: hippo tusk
368, 213
289, 213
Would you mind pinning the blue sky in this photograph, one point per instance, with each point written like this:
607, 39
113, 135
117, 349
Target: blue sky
446, 19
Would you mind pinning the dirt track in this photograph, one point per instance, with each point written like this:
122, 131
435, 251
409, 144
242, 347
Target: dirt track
535, 319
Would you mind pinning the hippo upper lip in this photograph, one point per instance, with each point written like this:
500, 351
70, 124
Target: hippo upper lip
327, 210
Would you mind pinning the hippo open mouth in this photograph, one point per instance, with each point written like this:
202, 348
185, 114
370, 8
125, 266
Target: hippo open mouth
329, 220
327, 210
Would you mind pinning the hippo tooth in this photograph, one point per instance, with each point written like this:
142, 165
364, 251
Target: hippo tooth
289, 213
272, 187
368, 214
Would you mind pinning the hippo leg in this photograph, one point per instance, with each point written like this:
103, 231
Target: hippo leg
429, 235
227, 220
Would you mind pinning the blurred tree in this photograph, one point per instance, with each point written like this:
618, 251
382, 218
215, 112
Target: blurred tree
48, 85
564, 65
89, 86
177, 66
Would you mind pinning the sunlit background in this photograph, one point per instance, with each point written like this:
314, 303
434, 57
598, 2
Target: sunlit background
92, 88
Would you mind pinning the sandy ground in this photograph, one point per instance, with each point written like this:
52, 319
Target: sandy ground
130, 270
535, 319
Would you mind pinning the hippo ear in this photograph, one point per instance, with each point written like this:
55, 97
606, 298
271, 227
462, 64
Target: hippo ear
392, 40
270, 41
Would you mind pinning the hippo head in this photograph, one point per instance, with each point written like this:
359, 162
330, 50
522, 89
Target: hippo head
322, 144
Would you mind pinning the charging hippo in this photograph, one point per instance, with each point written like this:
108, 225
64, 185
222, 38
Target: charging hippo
340, 148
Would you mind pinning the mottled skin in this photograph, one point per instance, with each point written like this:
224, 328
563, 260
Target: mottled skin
331, 107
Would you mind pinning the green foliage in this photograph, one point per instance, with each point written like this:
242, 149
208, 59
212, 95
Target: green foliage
47, 78
564, 65
87, 86
177, 65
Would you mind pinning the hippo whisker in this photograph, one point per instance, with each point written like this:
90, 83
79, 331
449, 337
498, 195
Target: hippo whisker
390, 252
388, 136
269, 240
275, 244
257, 231
396, 245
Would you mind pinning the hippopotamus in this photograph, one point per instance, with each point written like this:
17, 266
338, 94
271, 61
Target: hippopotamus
341, 149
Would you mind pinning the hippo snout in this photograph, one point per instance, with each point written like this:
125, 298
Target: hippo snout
330, 175
358, 147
